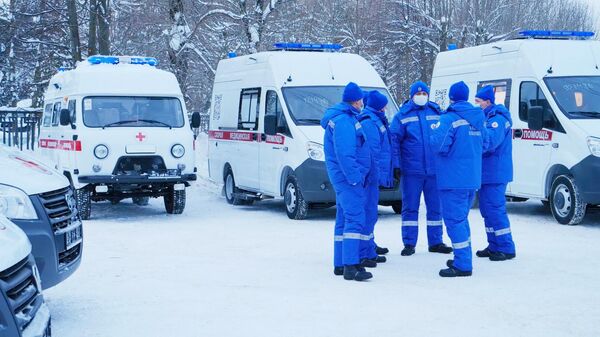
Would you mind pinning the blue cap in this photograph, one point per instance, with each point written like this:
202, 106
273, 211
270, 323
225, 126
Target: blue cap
459, 92
418, 86
376, 100
352, 93
487, 94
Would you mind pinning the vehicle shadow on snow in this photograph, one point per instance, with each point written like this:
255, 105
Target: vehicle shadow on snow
125, 209
539, 212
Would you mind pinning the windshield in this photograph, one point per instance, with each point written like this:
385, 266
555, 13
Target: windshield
132, 111
577, 96
308, 104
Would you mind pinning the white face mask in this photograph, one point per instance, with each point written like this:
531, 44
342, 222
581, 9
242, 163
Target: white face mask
421, 100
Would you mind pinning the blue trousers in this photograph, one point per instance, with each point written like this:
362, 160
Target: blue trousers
455, 209
492, 205
412, 187
368, 246
349, 223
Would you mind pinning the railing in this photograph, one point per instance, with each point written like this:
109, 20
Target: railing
20, 127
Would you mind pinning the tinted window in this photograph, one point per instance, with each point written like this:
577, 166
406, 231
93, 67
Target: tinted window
125, 111
273, 107
56, 114
72, 105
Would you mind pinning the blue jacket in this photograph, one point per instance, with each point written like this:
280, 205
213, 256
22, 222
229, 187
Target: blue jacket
411, 128
497, 154
376, 128
347, 155
458, 144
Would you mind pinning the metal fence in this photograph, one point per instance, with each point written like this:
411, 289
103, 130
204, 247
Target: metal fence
20, 127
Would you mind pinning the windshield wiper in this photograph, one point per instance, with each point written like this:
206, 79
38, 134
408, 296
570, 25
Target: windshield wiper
586, 113
309, 120
151, 121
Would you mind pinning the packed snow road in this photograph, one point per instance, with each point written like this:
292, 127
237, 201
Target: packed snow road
219, 270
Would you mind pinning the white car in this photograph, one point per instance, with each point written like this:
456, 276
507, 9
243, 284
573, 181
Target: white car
117, 127
265, 140
550, 81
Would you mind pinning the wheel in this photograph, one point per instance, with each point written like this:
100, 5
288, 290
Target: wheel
115, 201
141, 201
565, 201
174, 201
295, 205
397, 207
546, 204
84, 203
231, 189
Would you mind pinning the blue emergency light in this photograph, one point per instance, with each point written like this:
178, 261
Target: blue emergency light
100, 59
307, 46
555, 34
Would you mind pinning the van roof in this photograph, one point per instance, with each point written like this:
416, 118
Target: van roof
302, 68
113, 79
537, 58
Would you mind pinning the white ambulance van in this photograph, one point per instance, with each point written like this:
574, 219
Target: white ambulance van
265, 137
23, 312
117, 127
550, 81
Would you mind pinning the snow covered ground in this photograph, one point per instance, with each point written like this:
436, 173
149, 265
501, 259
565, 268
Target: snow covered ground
220, 270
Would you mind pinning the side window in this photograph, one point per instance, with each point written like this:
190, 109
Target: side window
56, 114
249, 107
501, 90
273, 107
47, 119
532, 95
72, 109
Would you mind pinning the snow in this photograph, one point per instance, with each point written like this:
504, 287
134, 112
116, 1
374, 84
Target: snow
220, 270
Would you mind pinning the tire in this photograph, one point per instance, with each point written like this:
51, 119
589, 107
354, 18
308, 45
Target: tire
546, 204
141, 201
565, 201
397, 207
84, 203
174, 201
115, 201
295, 205
231, 189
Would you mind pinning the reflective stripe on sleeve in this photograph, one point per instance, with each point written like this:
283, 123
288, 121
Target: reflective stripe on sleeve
338, 238
502, 231
331, 124
382, 129
460, 122
489, 229
357, 125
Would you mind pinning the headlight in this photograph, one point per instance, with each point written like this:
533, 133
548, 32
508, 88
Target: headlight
594, 145
177, 150
315, 151
101, 151
15, 204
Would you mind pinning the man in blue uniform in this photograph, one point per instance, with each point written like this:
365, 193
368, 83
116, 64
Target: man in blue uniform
375, 126
458, 144
411, 151
497, 172
348, 161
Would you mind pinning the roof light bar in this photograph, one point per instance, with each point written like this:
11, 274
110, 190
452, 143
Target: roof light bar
307, 46
556, 33
101, 59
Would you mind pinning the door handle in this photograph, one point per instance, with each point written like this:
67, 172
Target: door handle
555, 145
263, 137
285, 148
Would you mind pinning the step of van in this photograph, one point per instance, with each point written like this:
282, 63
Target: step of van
248, 196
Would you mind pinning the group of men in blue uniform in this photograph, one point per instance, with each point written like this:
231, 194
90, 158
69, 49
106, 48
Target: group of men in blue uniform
446, 156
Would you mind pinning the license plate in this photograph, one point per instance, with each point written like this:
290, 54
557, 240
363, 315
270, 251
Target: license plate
73, 237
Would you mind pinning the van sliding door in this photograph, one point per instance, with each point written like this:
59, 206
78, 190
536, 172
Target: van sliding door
245, 166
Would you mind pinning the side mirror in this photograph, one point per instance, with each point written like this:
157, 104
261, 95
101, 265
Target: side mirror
65, 117
535, 118
271, 125
195, 120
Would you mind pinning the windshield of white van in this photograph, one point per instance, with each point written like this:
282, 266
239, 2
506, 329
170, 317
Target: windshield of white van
576, 96
119, 111
308, 104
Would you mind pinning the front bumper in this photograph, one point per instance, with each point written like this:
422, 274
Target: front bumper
586, 177
316, 187
136, 179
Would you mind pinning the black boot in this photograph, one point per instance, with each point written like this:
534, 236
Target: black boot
338, 271
440, 248
408, 250
368, 263
379, 259
354, 273
381, 250
450, 263
499, 256
483, 253
453, 272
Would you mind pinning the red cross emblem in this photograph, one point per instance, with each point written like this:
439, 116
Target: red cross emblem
140, 136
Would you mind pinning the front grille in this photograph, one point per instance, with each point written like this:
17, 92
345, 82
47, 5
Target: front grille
23, 293
136, 165
60, 205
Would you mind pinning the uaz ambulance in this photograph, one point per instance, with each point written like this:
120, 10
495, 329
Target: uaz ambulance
41, 202
117, 127
23, 312
550, 81
265, 140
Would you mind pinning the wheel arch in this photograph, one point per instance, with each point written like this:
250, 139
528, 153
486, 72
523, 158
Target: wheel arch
226, 168
285, 173
554, 171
